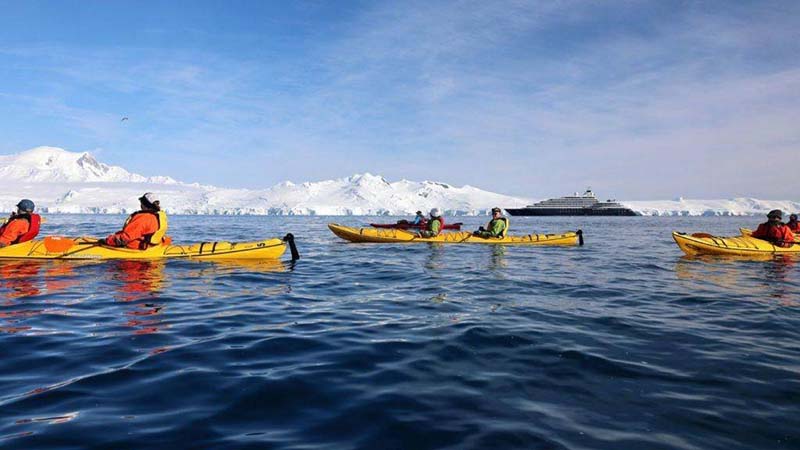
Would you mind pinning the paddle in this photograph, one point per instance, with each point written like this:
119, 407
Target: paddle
292, 247
703, 235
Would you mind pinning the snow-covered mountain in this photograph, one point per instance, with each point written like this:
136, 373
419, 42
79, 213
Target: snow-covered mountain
66, 182
56, 165
60, 181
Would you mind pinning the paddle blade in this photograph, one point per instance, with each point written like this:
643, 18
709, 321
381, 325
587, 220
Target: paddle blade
58, 244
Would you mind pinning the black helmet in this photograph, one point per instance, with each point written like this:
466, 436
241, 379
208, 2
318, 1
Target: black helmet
25, 205
792, 216
775, 214
496, 209
419, 213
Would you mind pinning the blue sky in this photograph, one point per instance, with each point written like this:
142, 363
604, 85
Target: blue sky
638, 99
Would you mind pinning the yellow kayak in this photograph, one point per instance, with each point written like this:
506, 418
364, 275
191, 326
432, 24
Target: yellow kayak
88, 248
744, 245
457, 237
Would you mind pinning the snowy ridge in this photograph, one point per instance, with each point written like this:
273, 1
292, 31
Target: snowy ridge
60, 181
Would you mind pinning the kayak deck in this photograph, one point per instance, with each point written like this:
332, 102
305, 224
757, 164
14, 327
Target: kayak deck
400, 236
87, 248
744, 245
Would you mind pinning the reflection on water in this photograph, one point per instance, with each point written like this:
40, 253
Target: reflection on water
22, 280
498, 260
435, 258
757, 278
27, 278
137, 281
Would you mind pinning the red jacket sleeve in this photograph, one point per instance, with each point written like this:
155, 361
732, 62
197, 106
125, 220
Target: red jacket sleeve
788, 237
761, 232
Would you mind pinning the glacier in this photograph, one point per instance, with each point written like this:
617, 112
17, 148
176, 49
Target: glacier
60, 181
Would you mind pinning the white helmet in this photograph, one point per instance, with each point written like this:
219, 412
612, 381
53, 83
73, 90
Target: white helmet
436, 213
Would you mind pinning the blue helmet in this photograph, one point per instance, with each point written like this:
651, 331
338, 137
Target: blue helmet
25, 205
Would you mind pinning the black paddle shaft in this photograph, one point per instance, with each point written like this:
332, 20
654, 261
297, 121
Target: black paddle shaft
289, 238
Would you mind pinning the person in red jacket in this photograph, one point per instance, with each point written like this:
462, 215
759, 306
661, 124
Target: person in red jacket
22, 226
793, 224
139, 227
774, 230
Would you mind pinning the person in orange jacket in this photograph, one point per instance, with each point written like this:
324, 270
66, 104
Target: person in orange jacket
22, 226
793, 224
774, 230
139, 227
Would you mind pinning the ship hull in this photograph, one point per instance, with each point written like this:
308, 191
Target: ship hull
570, 212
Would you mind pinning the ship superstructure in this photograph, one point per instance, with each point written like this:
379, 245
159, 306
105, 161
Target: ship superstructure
574, 205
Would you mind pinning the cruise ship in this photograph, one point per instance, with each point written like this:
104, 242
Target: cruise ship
574, 205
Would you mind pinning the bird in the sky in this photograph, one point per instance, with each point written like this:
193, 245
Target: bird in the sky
124, 119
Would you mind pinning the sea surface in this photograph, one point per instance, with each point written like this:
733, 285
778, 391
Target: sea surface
619, 344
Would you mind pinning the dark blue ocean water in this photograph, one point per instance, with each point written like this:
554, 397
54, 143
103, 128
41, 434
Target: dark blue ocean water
620, 344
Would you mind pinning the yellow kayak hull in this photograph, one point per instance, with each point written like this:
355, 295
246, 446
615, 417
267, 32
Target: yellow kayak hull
744, 245
87, 248
379, 235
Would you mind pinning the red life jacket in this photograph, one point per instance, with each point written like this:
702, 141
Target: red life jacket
34, 223
33, 230
778, 234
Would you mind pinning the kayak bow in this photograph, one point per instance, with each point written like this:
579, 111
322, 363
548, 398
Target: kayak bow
744, 245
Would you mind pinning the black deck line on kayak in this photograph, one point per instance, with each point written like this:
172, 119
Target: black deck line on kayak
227, 252
292, 247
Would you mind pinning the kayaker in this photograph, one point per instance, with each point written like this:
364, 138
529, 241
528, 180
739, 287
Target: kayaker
775, 231
143, 228
434, 225
420, 219
22, 226
497, 227
793, 224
